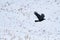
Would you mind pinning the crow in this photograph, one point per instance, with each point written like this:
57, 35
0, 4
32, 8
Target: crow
40, 17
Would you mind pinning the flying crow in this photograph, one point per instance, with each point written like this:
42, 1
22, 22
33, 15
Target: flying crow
40, 17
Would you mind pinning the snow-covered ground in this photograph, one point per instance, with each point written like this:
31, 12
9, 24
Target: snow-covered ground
17, 20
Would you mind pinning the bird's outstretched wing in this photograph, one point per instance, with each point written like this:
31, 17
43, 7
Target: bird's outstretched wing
38, 16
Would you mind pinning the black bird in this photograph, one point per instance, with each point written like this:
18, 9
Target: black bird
40, 17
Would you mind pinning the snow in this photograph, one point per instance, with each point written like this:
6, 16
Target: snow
17, 20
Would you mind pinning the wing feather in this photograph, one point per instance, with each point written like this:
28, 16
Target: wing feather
38, 16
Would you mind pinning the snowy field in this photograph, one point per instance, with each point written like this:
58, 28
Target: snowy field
17, 20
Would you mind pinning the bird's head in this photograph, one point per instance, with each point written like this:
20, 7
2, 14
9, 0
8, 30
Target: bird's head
43, 15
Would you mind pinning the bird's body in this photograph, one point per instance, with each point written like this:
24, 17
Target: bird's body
40, 17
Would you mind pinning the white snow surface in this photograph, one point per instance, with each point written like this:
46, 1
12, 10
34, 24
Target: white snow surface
17, 20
